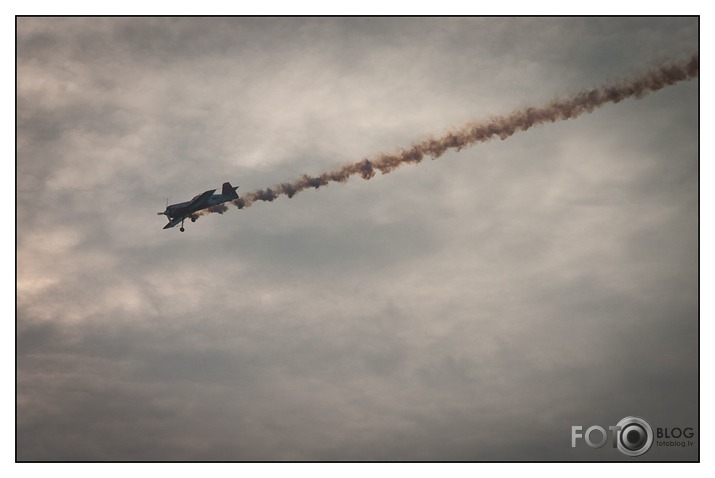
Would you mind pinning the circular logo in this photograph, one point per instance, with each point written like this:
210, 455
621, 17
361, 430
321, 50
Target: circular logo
634, 436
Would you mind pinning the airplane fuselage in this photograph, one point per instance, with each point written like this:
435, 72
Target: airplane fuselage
185, 209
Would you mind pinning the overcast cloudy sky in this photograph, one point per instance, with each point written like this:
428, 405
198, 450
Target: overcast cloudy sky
475, 307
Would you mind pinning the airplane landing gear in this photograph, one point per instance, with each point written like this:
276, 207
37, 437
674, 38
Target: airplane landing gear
182, 229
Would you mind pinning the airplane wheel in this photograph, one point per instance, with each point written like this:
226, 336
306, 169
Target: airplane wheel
193, 219
182, 229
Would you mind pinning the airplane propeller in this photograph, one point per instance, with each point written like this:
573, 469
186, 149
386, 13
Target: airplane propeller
167, 207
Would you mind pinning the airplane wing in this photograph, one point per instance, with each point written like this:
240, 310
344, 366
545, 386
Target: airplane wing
200, 202
174, 221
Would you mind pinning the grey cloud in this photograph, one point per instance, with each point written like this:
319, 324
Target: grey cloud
473, 307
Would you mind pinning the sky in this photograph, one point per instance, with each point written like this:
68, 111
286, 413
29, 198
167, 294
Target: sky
471, 308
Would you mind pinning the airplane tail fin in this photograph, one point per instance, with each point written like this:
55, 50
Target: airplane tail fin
229, 190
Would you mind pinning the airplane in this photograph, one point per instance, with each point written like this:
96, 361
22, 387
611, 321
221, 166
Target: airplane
178, 212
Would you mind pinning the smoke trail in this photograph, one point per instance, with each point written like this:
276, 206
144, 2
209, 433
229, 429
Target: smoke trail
502, 127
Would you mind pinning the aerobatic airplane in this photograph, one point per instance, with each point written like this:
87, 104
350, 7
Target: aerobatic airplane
178, 212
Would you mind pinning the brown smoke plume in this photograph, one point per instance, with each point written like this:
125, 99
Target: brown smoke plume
502, 127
